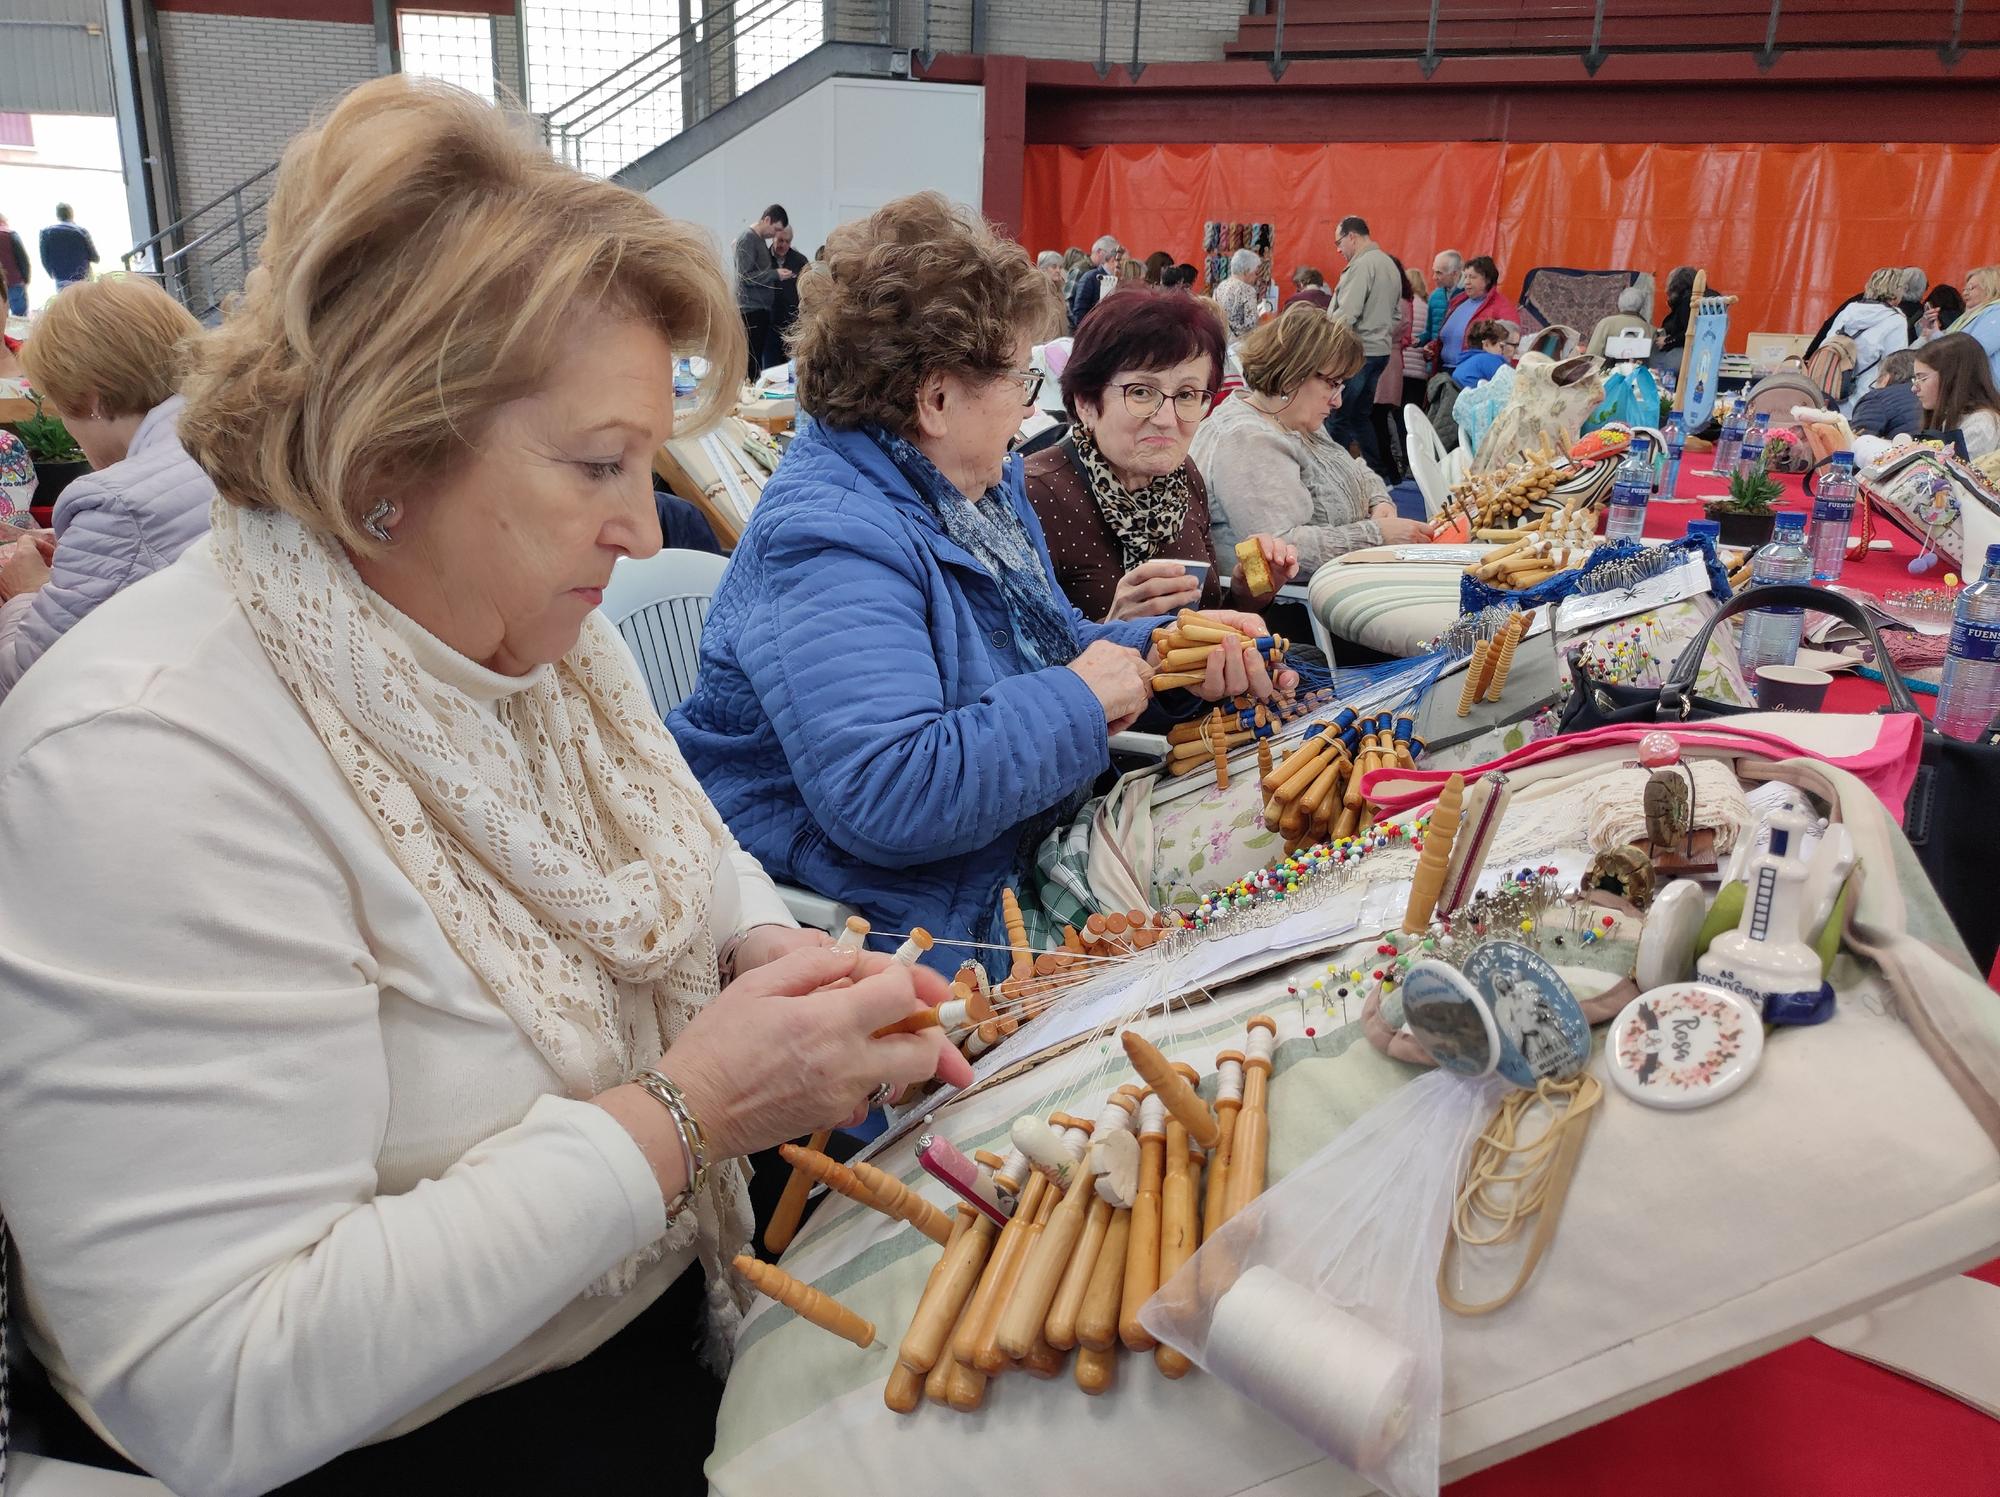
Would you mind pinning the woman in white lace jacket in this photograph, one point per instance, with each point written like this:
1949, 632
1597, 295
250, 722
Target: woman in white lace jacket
1270, 467
386, 1009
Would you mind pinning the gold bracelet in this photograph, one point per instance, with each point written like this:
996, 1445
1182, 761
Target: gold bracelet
694, 1142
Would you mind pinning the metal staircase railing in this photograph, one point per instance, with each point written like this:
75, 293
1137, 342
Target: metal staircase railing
207, 254
705, 62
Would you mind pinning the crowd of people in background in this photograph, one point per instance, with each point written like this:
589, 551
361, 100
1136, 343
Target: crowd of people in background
1428, 340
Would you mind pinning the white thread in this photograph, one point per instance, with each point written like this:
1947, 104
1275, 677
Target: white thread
1261, 1044
853, 936
953, 1013
1112, 1119
1076, 1140
1152, 1115
1334, 1378
976, 1044
912, 951
1615, 805
1015, 1168
1229, 1081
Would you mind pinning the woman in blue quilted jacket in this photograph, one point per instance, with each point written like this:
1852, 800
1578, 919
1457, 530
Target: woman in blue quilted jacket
896, 701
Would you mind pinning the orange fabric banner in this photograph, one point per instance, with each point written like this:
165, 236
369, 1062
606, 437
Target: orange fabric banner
1791, 230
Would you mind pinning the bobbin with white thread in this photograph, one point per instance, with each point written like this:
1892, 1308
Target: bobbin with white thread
1142, 1249
1180, 1226
853, 936
1059, 1329
1228, 1102
980, 1322
1250, 1145
990, 1356
1022, 1326
914, 946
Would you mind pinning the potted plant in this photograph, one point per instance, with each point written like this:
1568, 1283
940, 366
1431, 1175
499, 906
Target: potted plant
1749, 514
58, 460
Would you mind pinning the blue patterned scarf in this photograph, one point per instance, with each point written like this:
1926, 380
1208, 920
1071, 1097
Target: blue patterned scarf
992, 532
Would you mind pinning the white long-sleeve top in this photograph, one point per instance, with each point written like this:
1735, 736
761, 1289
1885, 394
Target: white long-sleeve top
282, 1175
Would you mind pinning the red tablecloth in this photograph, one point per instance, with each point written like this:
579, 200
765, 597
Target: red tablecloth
1807, 1421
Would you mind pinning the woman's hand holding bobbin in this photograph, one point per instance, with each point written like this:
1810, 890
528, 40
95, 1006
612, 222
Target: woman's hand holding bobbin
781, 1052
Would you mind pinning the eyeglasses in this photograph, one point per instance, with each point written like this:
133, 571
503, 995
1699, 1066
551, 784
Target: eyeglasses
1143, 400
1335, 383
1030, 381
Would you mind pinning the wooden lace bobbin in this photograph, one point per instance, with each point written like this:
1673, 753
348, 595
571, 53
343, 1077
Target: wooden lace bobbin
1013, 1176
1174, 1085
1228, 1102
821, 1169
854, 936
1179, 1223
905, 1388
1474, 672
946, 1294
804, 1301
1504, 661
1298, 764
1250, 1144
922, 1019
987, 1354
1142, 1247
912, 950
896, 1199
1059, 1326
1017, 933
1218, 727
786, 1215
1438, 839
1096, 1369
1047, 1256
1043, 1360
1263, 759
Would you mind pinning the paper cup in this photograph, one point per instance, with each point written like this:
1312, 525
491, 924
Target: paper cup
1198, 570
1791, 688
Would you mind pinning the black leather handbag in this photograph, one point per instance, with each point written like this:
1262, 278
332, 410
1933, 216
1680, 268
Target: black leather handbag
1952, 817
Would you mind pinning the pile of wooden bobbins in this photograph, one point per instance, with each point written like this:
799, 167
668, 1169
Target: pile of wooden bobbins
1492, 660
1314, 794
1194, 636
1091, 1234
1211, 739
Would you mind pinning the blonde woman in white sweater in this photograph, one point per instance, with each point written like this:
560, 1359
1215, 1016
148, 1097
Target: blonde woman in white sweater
1268, 463
393, 1010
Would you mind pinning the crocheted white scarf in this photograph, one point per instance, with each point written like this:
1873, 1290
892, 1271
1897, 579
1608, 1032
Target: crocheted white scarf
561, 840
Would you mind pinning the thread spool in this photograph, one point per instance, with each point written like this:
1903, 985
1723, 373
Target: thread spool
1331, 1376
912, 950
1228, 1102
1046, 1149
854, 937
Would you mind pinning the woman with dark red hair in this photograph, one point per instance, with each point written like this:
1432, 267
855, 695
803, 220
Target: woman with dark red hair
1121, 505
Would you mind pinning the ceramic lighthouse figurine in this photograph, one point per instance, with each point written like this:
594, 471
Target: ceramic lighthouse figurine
1766, 957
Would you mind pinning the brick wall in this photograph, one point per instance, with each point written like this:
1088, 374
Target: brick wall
238, 88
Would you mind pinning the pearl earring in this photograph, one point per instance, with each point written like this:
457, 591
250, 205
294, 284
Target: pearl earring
376, 522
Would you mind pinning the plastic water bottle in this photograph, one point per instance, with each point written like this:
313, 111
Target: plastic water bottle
1631, 487
1670, 482
1751, 455
1969, 694
1833, 512
1771, 635
1729, 443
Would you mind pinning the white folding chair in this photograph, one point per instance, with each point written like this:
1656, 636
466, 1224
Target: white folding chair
1427, 460
658, 607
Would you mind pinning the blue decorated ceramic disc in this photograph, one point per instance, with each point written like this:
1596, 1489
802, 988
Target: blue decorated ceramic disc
1543, 1033
1450, 1019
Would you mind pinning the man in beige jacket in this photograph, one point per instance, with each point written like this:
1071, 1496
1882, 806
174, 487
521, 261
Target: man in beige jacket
1366, 299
